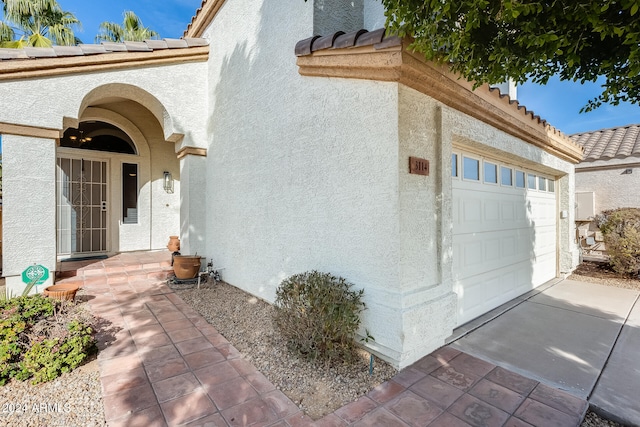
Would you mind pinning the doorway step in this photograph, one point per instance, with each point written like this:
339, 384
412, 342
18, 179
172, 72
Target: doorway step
126, 268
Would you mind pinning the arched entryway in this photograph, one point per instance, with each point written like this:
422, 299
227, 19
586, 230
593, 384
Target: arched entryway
111, 165
83, 190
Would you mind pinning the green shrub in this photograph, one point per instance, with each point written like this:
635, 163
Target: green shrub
49, 358
621, 230
319, 315
42, 338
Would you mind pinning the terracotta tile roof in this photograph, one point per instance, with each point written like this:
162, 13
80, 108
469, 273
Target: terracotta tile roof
194, 17
341, 40
605, 144
104, 47
203, 17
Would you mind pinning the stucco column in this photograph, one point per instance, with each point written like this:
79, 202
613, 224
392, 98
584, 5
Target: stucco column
427, 300
568, 249
193, 195
29, 207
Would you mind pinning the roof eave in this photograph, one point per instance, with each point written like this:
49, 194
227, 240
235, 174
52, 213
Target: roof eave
45, 67
204, 16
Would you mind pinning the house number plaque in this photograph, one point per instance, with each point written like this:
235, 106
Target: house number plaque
418, 166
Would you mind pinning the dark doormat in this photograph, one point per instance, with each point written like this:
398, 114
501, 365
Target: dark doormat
85, 258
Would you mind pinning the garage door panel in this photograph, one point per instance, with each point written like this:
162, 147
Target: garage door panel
508, 211
493, 289
472, 254
544, 268
472, 211
492, 249
504, 243
485, 212
492, 215
545, 240
479, 252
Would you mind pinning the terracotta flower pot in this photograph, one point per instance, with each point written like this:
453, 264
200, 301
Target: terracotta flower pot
62, 291
186, 266
174, 244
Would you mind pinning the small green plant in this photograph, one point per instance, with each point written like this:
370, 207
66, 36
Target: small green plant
48, 358
6, 295
621, 230
41, 338
319, 314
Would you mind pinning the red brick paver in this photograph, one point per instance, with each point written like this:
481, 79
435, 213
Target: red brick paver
162, 364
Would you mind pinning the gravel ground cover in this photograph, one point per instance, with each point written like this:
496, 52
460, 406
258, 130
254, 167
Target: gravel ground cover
246, 322
74, 399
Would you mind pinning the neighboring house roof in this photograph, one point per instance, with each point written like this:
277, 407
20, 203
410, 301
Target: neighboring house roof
613, 143
373, 55
46, 61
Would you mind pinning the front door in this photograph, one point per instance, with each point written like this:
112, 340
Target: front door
82, 206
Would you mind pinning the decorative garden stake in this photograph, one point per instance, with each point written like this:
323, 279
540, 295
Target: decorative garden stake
366, 340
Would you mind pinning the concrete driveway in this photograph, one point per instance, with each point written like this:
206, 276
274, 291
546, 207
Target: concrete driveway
579, 337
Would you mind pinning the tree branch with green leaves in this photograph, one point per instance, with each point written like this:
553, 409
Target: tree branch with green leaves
491, 41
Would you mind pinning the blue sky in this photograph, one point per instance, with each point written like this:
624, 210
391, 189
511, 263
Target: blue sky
557, 102
167, 17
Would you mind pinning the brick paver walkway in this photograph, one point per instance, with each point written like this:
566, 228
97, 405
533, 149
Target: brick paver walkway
162, 364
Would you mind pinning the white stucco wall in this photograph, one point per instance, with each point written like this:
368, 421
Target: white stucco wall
176, 87
330, 16
301, 172
373, 15
29, 220
612, 187
312, 173
172, 92
193, 205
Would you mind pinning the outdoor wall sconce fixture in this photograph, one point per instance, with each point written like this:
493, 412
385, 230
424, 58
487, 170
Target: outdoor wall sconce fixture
627, 172
168, 182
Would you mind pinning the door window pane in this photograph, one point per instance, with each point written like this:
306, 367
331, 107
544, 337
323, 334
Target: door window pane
471, 169
542, 184
519, 179
129, 193
490, 173
551, 187
531, 181
506, 176
454, 165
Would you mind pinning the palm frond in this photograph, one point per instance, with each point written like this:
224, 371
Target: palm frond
40, 20
131, 29
6, 32
38, 40
110, 32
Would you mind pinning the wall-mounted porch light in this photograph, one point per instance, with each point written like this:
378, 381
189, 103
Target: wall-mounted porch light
168, 182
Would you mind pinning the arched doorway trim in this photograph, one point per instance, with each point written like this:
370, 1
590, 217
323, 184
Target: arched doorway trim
133, 93
121, 122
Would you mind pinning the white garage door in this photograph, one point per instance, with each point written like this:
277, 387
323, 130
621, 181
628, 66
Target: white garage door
504, 232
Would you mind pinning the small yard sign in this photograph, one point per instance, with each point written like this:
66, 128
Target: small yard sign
36, 272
